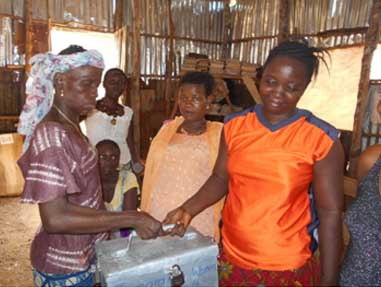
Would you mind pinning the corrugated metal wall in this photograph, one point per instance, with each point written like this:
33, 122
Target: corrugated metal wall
12, 7
199, 25
198, 28
74, 13
255, 24
254, 29
312, 18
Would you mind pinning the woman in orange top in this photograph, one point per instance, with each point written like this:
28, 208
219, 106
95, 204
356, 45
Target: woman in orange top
277, 164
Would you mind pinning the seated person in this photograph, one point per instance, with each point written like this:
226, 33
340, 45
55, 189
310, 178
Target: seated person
119, 187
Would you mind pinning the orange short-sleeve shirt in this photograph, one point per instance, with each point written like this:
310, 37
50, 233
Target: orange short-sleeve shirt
270, 168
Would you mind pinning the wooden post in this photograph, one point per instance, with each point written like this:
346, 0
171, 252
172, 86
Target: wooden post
49, 24
170, 60
118, 18
372, 37
135, 83
252, 88
28, 34
227, 26
284, 15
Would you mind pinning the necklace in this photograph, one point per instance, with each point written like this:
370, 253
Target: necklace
105, 109
66, 118
184, 131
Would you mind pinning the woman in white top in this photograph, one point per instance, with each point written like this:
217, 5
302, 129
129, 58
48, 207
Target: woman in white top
111, 120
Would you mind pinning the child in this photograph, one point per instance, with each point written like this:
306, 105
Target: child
119, 186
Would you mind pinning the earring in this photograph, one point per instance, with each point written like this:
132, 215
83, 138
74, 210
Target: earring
61, 93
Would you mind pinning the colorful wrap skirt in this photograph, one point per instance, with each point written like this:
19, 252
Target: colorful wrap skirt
232, 275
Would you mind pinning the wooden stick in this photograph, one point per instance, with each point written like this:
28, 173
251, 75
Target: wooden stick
250, 85
13, 17
28, 35
118, 18
135, 83
49, 25
371, 40
170, 60
284, 14
10, 118
227, 22
182, 38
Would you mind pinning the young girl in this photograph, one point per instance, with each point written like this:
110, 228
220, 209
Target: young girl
119, 186
182, 155
112, 120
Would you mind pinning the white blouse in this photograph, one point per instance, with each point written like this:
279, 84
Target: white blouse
99, 126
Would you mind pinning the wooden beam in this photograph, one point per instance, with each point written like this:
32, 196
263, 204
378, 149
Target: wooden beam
49, 25
28, 34
227, 26
186, 38
118, 18
372, 37
250, 85
284, 16
135, 83
170, 60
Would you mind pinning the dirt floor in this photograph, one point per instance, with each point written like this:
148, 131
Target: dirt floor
18, 223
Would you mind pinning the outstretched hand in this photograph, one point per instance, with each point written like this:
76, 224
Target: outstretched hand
147, 227
180, 218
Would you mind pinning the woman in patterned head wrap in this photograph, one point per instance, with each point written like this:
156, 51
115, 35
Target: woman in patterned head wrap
61, 171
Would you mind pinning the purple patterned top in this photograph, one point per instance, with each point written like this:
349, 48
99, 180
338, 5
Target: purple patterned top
60, 164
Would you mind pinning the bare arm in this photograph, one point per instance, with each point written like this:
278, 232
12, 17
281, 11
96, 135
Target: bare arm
61, 216
328, 188
130, 199
212, 191
367, 159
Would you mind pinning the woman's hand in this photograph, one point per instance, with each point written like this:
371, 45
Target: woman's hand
181, 218
147, 227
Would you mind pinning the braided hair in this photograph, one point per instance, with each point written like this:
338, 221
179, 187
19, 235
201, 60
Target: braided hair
309, 56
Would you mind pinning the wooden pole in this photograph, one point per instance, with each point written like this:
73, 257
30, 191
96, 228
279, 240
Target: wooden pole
118, 18
170, 60
372, 37
252, 88
135, 83
226, 28
284, 15
28, 34
49, 24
